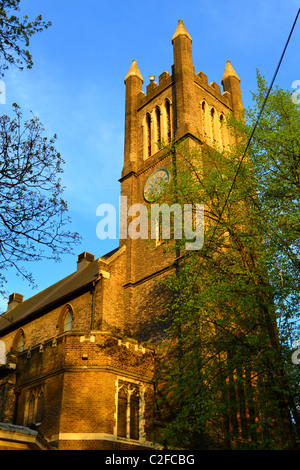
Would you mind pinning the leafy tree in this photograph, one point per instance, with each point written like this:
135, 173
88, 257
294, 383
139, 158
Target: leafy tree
275, 157
15, 35
32, 212
225, 369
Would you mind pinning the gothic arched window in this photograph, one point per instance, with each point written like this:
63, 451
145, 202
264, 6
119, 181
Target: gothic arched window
222, 130
65, 321
40, 408
19, 341
128, 416
148, 131
212, 113
68, 320
31, 409
203, 107
168, 120
158, 124
34, 406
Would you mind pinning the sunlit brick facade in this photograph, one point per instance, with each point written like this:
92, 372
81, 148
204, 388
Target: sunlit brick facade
80, 356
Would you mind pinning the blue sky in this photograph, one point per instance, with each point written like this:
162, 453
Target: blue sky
76, 86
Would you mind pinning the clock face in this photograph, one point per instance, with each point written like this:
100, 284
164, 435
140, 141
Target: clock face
155, 184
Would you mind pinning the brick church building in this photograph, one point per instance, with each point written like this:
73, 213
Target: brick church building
80, 355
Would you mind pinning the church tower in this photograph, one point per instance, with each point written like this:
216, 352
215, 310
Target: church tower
181, 106
79, 357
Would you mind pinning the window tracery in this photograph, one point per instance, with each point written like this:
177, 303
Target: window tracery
34, 406
128, 412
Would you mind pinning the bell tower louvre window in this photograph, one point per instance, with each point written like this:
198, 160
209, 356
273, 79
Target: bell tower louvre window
168, 115
158, 124
148, 130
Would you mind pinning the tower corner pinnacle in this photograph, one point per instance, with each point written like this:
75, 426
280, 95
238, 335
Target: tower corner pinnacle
229, 72
181, 30
133, 72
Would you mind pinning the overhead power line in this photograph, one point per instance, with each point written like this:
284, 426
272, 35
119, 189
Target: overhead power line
256, 123
252, 133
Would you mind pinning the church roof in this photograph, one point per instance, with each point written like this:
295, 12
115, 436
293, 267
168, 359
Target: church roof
54, 295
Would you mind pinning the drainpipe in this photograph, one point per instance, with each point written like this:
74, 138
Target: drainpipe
93, 305
101, 275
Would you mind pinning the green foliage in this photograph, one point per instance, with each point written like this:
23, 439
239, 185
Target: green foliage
275, 157
227, 377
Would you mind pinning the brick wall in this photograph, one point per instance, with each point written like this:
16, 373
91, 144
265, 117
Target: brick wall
78, 374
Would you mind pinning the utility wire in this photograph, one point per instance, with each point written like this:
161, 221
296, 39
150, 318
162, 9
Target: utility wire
251, 136
255, 124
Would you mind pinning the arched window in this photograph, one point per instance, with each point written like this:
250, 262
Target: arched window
19, 341
128, 415
34, 406
68, 320
203, 108
65, 321
31, 409
40, 408
222, 130
158, 124
168, 120
212, 113
148, 131
122, 413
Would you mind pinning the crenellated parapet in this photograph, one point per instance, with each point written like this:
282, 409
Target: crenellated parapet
181, 103
75, 349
